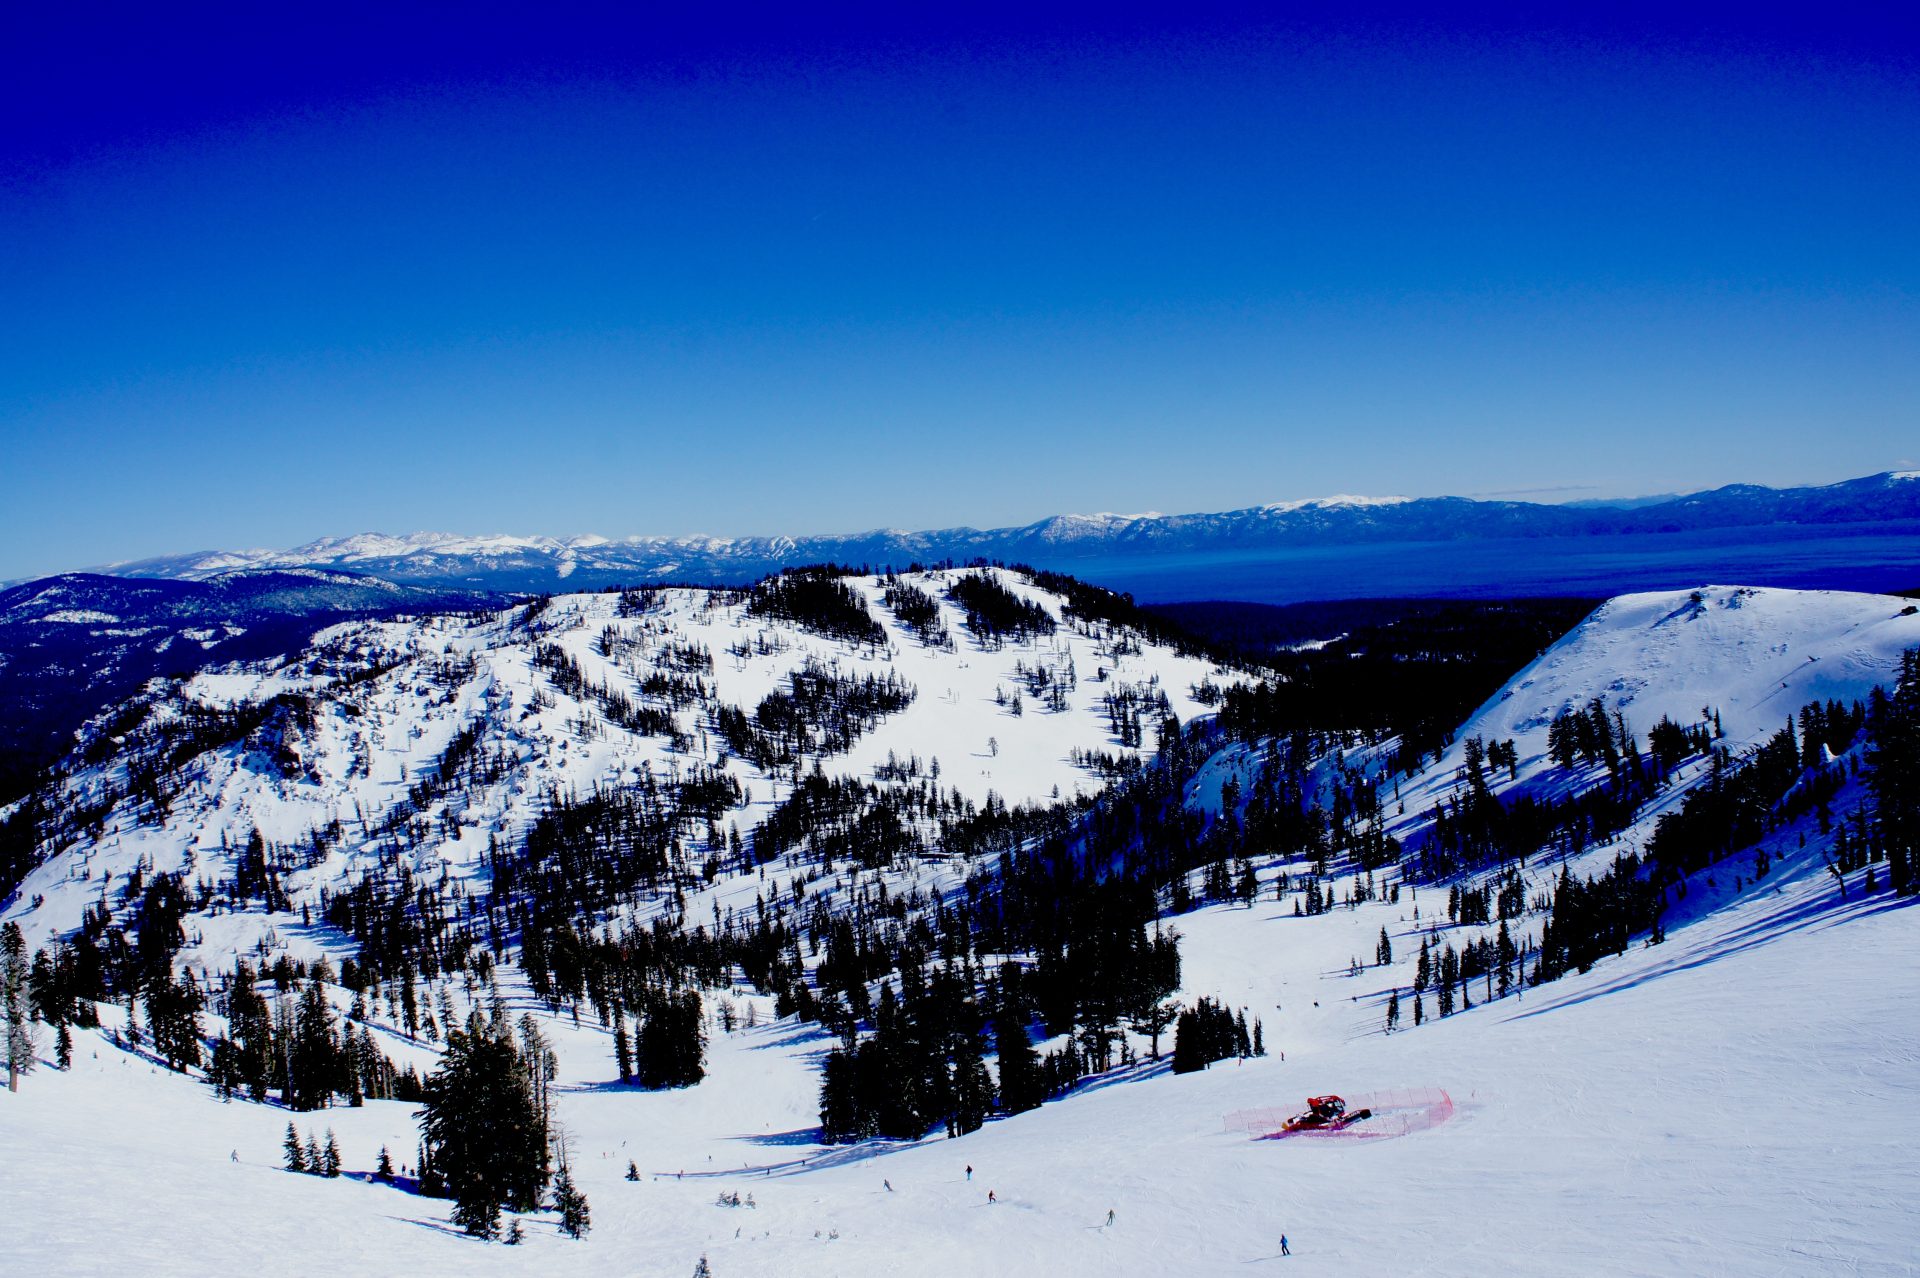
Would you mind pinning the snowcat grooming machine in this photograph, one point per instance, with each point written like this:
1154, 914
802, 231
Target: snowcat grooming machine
1325, 1114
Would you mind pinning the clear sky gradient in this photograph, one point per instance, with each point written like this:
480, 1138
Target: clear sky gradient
272, 276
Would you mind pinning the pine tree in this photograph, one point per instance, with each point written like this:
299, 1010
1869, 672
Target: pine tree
1208, 1032
330, 1157
1384, 951
14, 1004
1893, 774
515, 1233
1154, 1022
670, 1050
622, 1047
432, 1183
296, 1152
484, 1134
575, 1219
313, 1056
1504, 955
479, 1217
383, 1170
1022, 1086
972, 1085
250, 1026
1393, 1009
173, 1014
63, 1047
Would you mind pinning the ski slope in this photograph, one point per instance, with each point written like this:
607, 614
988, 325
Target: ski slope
1740, 1100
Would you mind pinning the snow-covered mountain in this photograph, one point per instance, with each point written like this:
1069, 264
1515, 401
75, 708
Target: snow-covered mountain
1748, 657
73, 645
596, 690
1739, 1098
515, 563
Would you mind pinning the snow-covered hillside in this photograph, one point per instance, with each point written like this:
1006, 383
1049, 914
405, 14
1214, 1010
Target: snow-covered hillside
1747, 658
1737, 1102
1737, 1099
382, 703
1754, 655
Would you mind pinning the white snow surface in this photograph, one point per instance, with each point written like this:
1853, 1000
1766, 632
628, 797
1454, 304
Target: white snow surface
1743, 1099
372, 741
1753, 655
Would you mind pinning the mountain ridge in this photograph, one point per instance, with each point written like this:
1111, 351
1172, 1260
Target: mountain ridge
539, 563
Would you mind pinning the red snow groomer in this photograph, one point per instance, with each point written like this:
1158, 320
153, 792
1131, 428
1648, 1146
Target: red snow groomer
1325, 1114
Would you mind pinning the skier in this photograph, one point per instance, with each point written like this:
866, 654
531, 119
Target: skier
1283, 1246
1109, 1217
888, 1184
969, 1171
991, 1198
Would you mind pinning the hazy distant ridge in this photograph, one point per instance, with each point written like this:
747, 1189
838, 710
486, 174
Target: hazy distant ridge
544, 563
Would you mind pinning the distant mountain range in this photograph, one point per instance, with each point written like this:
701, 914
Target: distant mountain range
512, 563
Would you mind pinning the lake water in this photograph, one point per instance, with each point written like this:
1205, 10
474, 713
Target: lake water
1870, 557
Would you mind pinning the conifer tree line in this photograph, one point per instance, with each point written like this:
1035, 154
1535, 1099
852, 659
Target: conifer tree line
917, 610
1208, 1032
312, 1158
296, 1046
1739, 803
996, 614
922, 1066
817, 600
486, 1126
821, 713
1411, 678
638, 717
668, 1046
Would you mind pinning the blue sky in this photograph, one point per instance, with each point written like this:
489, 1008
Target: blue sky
603, 270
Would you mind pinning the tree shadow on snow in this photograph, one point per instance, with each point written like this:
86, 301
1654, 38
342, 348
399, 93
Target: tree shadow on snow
437, 1226
1804, 915
1121, 1074
790, 1035
798, 1136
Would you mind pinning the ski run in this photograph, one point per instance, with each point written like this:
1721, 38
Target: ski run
1742, 1098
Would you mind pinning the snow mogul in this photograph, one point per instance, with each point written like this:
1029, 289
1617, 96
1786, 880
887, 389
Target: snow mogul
1325, 1114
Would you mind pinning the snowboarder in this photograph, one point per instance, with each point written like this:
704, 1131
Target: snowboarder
888, 1184
991, 1198
1109, 1217
1283, 1246
969, 1171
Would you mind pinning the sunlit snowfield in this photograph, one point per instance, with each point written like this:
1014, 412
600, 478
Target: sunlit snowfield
1742, 1099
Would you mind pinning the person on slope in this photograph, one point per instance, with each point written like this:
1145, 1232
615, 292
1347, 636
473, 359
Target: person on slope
1283, 1246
